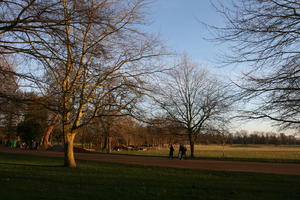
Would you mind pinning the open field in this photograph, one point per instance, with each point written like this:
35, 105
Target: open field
270, 153
203, 164
35, 177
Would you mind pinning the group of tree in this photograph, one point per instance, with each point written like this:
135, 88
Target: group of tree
162, 132
89, 64
79, 55
243, 137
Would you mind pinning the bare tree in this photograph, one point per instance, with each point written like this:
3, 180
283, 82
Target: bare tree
193, 98
90, 49
115, 106
18, 18
10, 106
265, 35
21, 17
15, 14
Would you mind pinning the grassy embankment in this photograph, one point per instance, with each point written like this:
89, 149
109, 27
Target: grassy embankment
269, 153
34, 177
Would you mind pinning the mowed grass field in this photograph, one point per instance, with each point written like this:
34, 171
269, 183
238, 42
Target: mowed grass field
269, 153
34, 177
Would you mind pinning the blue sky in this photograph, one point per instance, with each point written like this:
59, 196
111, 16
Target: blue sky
177, 22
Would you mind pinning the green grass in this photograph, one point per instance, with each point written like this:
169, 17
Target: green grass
34, 177
263, 153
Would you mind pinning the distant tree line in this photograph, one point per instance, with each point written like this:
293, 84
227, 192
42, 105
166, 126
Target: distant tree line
126, 131
156, 135
243, 137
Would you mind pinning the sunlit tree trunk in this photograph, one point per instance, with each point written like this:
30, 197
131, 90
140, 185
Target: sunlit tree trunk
45, 141
69, 150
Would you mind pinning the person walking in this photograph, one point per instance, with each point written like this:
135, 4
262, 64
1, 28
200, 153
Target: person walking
171, 151
183, 154
180, 151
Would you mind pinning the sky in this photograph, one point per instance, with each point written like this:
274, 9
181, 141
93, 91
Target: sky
178, 23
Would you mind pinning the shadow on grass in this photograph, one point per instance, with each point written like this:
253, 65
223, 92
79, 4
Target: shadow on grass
264, 160
32, 165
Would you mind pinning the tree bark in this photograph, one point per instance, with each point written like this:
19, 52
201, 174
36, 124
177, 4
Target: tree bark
107, 144
192, 145
45, 141
69, 152
104, 143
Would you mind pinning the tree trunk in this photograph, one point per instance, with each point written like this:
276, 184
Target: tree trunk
99, 144
69, 153
107, 144
104, 143
45, 141
192, 145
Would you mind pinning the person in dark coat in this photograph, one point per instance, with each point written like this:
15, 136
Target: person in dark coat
171, 151
182, 152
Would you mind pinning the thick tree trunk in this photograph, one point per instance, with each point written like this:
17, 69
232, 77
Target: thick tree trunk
107, 144
104, 144
192, 145
45, 141
69, 153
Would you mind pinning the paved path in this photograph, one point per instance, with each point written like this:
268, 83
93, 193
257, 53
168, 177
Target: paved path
238, 166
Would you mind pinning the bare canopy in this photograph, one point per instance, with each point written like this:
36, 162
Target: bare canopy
265, 36
88, 49
194, 98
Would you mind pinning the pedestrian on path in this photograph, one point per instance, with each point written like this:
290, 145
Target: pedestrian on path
171, 151
182, 152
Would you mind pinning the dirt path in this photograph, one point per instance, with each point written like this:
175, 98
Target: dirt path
270, 168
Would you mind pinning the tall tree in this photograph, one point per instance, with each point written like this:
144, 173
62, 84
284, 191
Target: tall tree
193, 98
34, 123
265, 35
10, 105
87, 46
17, 18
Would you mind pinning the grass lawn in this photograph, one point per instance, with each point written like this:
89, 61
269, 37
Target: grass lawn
269, 153
33, 177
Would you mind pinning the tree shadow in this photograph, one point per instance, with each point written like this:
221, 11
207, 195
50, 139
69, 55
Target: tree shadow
33, 165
